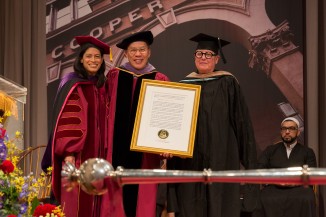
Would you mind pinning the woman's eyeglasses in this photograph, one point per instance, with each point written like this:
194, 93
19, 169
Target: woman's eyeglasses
208, 55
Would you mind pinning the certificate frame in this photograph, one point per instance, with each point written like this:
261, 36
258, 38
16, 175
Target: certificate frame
166, 118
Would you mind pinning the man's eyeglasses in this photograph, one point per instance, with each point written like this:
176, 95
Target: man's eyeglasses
208, 55
133, 51
290, 129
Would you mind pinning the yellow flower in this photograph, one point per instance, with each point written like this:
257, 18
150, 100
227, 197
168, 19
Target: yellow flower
18, 134
58, 210
49, 170
7, 114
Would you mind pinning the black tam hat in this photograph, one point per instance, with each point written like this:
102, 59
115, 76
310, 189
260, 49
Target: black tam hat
208, 42
145, 36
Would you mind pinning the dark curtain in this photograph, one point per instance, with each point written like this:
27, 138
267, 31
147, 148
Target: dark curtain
22, 60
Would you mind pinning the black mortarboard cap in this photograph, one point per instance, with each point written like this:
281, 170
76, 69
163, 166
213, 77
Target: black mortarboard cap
145, 36
208, 42
81, 40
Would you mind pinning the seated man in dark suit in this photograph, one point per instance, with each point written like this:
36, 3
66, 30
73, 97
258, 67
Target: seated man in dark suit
288, 200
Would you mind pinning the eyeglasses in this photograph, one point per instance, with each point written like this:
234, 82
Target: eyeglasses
90, 56
208, 55
290, 129
133, 51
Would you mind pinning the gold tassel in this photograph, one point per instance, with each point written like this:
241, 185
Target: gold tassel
111, 56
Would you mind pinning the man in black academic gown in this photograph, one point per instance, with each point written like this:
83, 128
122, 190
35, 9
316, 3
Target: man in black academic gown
224, 138
287, 200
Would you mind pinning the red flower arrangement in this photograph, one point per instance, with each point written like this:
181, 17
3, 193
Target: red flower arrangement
43, 209
7, 167
3, 133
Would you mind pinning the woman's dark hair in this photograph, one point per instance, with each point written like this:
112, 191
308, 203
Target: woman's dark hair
80, 70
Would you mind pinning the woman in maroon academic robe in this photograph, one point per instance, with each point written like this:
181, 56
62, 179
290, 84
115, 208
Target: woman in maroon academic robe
79, 130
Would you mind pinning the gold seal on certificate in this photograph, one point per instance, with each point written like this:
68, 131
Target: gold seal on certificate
163, 134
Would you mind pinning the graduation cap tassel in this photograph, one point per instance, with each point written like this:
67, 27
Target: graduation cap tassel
110, 55
221, 52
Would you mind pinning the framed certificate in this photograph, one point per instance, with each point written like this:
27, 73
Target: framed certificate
166, 118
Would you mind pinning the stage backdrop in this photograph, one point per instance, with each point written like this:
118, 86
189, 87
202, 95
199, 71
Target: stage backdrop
265, 54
